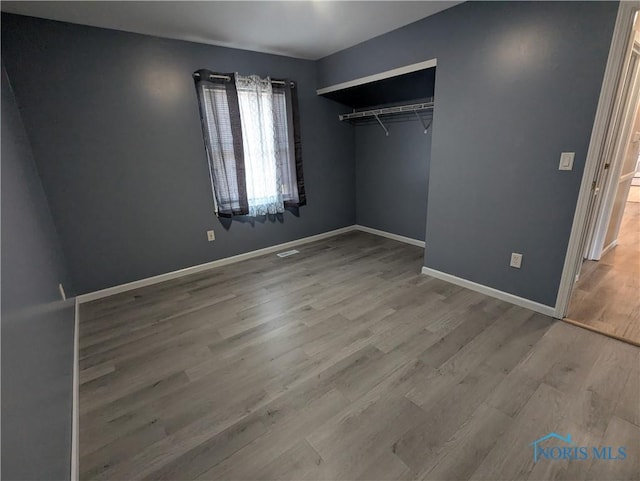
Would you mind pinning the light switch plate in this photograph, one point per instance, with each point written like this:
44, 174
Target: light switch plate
566, 160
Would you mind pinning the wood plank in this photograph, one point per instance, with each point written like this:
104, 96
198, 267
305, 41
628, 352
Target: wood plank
512, 455
461, 454
422, 444
353, 441
619, 433
628, 407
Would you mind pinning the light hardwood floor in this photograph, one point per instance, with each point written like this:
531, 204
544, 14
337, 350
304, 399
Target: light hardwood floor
607, 295
343, 362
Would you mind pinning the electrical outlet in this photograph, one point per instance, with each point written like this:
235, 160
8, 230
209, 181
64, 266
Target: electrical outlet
516, 260
211, 236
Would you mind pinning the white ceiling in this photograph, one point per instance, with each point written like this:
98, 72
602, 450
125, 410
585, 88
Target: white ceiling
303, 29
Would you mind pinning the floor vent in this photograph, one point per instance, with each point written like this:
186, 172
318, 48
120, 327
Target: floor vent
288, 253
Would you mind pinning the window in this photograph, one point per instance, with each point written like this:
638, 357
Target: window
250, 128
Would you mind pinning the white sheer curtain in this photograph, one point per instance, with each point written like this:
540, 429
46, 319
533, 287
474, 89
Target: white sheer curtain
264, 193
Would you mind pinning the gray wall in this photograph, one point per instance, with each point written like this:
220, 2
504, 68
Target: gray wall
517, 83
114, 125
392, 174
37, 328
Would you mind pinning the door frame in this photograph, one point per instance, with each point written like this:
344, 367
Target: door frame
607, 107
601, 217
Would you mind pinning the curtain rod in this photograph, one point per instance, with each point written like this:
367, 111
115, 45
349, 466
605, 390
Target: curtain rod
227, 78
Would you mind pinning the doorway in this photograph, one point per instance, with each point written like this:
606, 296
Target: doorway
605, 296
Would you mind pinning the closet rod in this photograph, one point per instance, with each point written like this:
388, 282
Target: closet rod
387, 110
227, 78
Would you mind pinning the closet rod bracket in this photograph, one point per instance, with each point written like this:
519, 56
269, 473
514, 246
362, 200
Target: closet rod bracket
424, 126
386, 132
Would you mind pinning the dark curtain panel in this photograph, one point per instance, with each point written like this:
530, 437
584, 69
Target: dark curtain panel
287, 121
297, 142
220, 118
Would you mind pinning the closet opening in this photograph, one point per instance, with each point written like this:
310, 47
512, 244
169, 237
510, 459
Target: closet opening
392, 116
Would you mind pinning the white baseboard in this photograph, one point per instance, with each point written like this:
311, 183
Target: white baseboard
608, 248
75, 409
389, 235
110, 291
505, 296
490, 291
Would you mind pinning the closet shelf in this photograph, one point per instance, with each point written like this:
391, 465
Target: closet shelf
398, 109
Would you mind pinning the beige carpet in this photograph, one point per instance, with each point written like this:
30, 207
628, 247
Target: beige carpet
634, 194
